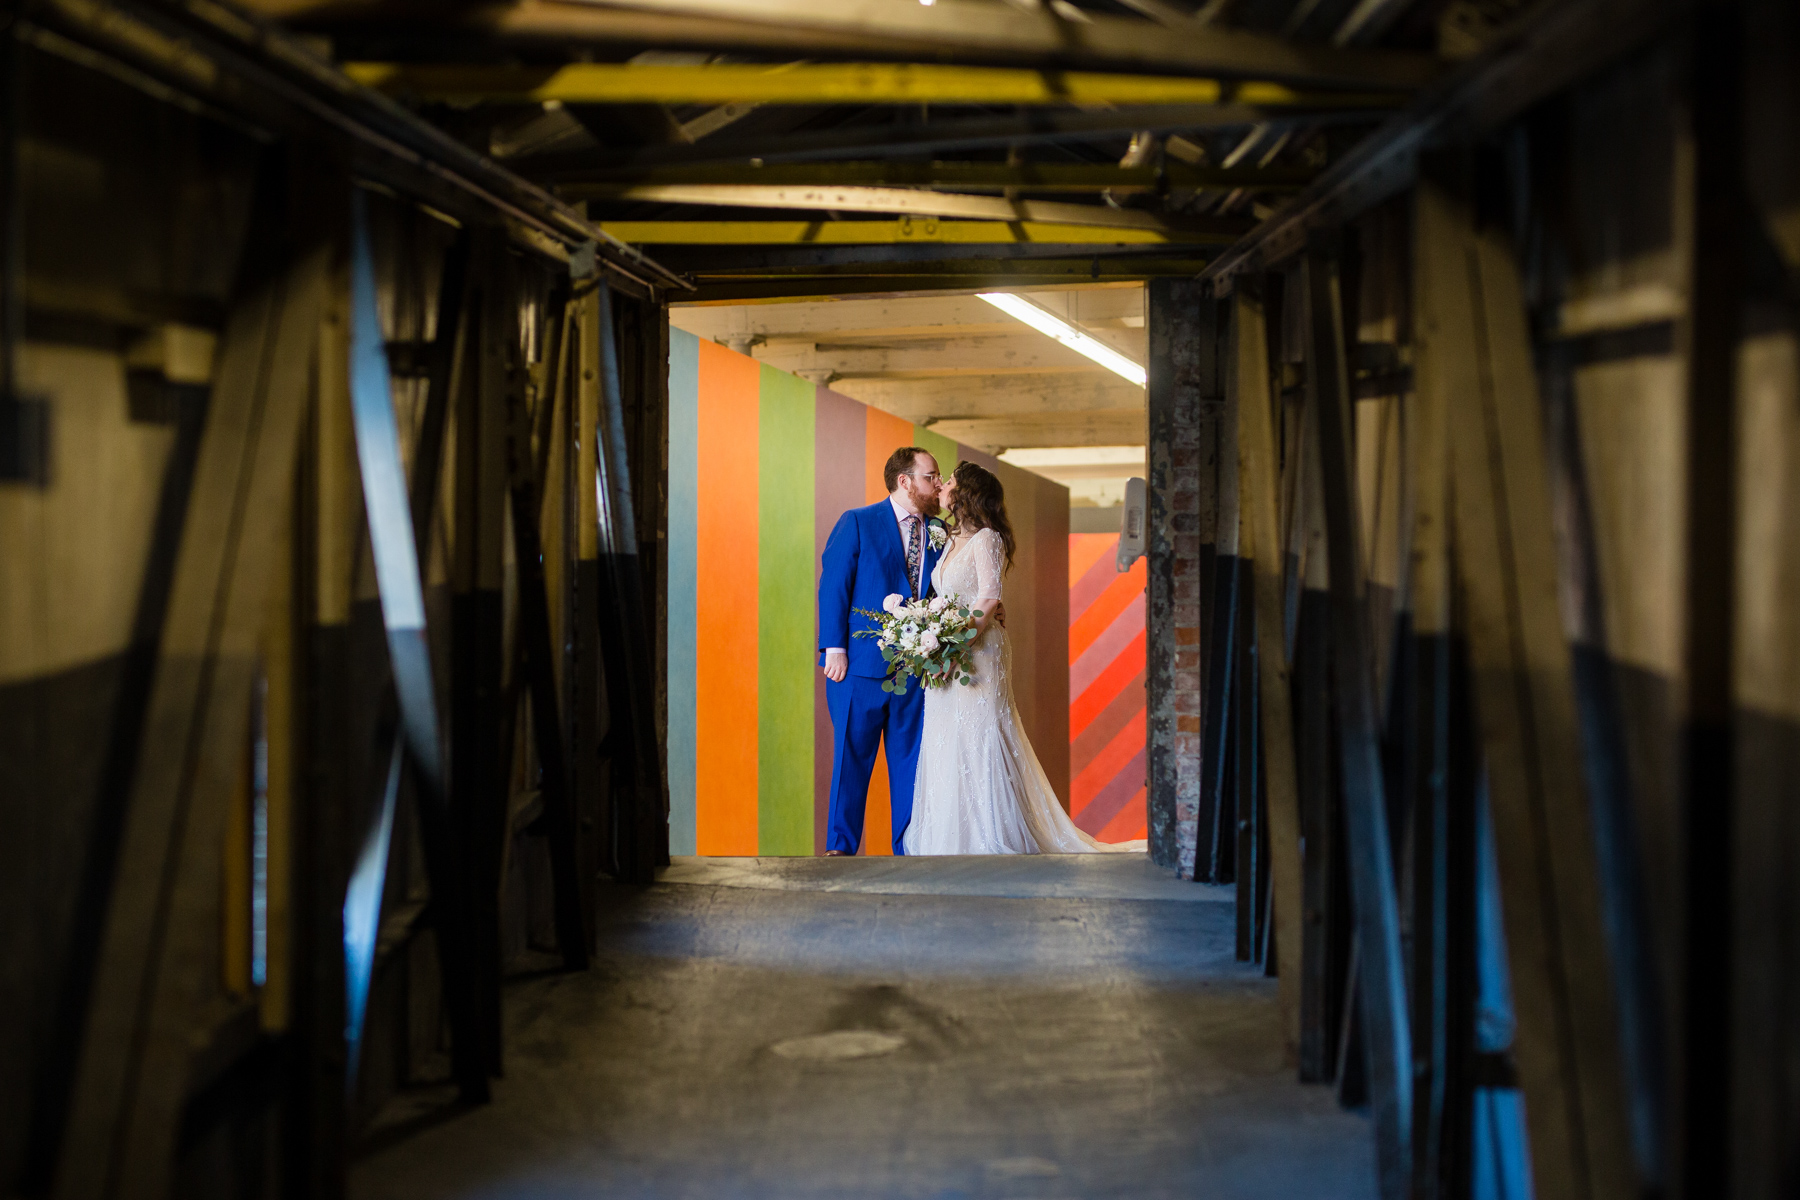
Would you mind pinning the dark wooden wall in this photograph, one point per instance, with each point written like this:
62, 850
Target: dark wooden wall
219, 707
1529, 492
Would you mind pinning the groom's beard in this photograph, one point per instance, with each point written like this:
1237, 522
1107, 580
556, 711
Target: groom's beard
926, 503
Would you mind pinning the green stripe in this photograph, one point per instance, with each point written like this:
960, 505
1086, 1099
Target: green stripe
785, 617
941, 447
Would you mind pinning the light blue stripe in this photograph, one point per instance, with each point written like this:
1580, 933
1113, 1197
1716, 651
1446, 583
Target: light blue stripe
684, 540
378, 444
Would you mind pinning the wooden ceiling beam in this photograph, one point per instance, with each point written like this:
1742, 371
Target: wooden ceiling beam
1019, 272
907, 230
896, 317
780, 260
987, 396
1046, 429
1041, 215
724, 291
1026, 352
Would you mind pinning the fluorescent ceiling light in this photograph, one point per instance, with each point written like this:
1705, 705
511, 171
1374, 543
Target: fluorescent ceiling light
1051, 325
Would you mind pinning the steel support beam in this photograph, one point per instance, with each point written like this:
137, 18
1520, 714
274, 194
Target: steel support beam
1031, 176
1027, 128
832, 83
1715, 886
1381, 978
964, 33
201, 54
1556, 45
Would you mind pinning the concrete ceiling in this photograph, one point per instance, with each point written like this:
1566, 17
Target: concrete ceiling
963, 368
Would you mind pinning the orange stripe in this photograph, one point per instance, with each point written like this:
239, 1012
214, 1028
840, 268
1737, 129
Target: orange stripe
725, 677
1102, 612
1085, 550
1131, 823
1109, 762
1111, 682
885, 434
878, 816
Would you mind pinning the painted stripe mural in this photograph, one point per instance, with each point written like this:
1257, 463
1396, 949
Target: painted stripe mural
761, 465
1106, 690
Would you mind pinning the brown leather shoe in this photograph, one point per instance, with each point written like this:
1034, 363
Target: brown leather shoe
837, 854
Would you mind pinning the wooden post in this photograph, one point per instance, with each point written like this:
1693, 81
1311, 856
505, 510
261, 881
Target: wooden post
541, 677
1422, 714
1258, 480
1474, 343
1381, 979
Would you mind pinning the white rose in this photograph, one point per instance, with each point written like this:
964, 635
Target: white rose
893, 603
939, 603
929, 642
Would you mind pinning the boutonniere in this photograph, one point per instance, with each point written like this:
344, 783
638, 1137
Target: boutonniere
940, 537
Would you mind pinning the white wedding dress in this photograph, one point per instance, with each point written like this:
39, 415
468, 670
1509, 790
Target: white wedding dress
979, 788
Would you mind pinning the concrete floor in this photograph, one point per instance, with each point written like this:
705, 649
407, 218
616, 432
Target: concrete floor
1029, 1028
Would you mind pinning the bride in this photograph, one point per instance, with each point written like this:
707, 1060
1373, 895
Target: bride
979, 787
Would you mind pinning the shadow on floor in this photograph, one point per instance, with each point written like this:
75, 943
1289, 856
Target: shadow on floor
755, 1041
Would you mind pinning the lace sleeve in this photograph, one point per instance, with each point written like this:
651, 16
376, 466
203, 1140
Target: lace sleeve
989, 554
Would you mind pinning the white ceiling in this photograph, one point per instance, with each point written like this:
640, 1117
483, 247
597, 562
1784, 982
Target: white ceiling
963, 368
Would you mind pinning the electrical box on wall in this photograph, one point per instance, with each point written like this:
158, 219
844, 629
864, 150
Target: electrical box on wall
1131, 536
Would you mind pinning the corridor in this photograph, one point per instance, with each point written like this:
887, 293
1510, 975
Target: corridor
864, 1027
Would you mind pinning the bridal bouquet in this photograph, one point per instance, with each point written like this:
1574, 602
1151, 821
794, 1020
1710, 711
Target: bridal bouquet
927, 638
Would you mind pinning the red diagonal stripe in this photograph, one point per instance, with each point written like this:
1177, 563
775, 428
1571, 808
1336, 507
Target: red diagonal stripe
1086, 549
1103, 611
1092, 702
1112, 798
1105, 727
1093, 581
1131, 824
1108, 763
1109, 645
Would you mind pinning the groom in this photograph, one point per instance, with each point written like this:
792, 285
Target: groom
872, 553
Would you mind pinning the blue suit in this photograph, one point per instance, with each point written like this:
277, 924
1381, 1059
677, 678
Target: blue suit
864, 563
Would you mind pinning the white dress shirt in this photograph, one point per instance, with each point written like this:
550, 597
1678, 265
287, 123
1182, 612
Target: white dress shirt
900, 516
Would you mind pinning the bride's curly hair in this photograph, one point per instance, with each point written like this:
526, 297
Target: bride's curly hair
979, 502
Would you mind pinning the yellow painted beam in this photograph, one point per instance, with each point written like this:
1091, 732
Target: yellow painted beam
875, 233
832, 83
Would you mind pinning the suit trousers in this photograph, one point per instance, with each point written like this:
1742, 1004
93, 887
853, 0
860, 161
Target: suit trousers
861, 713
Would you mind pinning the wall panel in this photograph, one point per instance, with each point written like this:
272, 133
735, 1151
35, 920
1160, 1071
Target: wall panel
761, 466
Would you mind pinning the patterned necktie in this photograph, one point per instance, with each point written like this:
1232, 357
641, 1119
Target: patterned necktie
912, 555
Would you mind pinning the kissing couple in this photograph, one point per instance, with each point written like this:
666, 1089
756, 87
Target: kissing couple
962, 776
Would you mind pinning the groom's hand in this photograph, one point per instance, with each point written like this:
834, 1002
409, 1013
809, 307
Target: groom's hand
1000, 614
837, 665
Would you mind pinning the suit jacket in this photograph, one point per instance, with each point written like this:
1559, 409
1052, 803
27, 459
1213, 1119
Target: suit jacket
864, 563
